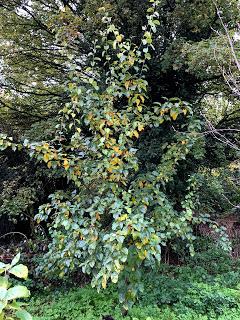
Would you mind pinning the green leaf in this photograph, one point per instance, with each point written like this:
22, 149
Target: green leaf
2, 267
20, 271
3, 292
15, 260
16, 305
3, 282
114, 277
23, 315
17, 292
2, 306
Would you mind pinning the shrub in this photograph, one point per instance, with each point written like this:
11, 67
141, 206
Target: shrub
214, 261
162, 289
205, 299
10, 308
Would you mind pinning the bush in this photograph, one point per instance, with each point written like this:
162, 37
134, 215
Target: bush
10, 306
163, 290
206, 299
214, 261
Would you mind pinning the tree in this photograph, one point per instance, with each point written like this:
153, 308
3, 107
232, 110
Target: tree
33, 61
132, 157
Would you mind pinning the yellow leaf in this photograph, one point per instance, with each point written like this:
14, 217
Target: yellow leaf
184, 111
49, 164
215, 173
66, 214
114, 177
104, 281
174, 115
98, 216
46, 157
127, 84
145, 241
101, 9
77, 172
136, 133
115, 161
142, 254
118, 265
90, 116
140, 184
46, 146
110, 123
110, 169
117, 150
66, 164
138, 102
138, 245
131, 61
122, 217
140, 127
119, 38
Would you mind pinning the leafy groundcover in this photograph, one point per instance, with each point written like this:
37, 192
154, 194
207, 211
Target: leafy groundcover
206, 288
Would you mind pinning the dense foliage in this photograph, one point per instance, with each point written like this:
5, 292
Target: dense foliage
118, 135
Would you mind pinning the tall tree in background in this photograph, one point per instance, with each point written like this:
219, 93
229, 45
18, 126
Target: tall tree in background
34, 68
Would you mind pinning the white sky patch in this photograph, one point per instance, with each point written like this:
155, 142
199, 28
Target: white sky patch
22, 12
236, 36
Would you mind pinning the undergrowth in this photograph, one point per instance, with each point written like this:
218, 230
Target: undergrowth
206, 288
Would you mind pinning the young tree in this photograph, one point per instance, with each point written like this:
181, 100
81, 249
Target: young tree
131, 157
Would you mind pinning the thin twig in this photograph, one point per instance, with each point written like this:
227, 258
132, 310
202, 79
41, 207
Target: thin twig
14, 232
